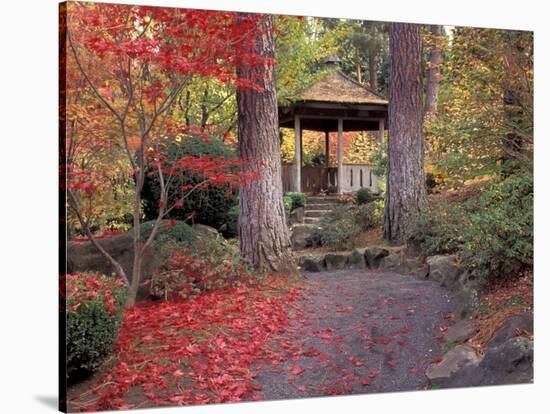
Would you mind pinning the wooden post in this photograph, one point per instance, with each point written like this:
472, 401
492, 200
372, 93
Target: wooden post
327, 148
340, 155
381, 131
297, 153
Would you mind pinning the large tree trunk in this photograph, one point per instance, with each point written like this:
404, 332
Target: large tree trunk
434, 72
358, 65
263, 234
406, 191
373, 70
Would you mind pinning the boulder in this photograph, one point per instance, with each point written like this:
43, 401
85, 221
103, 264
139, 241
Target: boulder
443, 270
300, 236
468, 303
203, 231
336, 260
356, 259
374, 255
467, 281
508, 355
421, 271
391, 263
508, 363
510, 328
460, 331
452, 362
297, 216
312, 262
84, 256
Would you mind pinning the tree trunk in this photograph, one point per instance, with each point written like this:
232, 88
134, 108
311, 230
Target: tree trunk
358, 65
434, 72
405, 190
373, 70
263, 234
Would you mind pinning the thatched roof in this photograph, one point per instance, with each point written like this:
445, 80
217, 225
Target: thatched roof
340, 88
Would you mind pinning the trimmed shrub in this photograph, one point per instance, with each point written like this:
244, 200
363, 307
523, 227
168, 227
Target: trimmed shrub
231, 228
499, 239
208, 205
297, 199
287, 202
178, 231
439, 229
364, 195
94, 306
339, 227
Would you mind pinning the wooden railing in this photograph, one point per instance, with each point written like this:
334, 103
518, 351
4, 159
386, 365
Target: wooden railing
315, 179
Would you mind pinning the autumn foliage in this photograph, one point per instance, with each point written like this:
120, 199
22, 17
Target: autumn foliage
127, 67
226, 332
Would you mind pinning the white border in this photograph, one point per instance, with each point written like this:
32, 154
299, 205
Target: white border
28, 219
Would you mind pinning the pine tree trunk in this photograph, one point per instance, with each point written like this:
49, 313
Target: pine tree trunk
405, 190
263, 233
373, 70
434, 72
358, 65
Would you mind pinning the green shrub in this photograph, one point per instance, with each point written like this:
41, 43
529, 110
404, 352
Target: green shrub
208, 205
178, 232
287, 202
94, 306
208, 265
339, 227
231, 228
439, 229
499, 240
364, 195
297, 199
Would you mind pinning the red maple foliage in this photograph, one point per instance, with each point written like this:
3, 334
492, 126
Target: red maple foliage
132, 63
197, 351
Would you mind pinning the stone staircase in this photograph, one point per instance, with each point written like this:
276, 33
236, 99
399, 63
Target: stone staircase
318, 206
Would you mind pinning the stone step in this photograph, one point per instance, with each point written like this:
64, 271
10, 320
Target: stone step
323, 199
315, 213
311, 220
319, 206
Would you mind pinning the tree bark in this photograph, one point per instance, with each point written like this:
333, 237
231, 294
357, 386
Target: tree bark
434, 72
263, 233
405, 190
373, 70
358, 65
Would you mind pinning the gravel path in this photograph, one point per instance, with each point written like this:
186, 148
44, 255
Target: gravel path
357, 332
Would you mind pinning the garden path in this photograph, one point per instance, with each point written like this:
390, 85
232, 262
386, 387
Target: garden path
359, 332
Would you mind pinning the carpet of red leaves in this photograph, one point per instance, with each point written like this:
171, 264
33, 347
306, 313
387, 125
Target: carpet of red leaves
195, 351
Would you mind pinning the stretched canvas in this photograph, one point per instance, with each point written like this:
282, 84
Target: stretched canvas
261, 207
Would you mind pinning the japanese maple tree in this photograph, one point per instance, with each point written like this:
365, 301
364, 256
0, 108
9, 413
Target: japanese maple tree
133, 62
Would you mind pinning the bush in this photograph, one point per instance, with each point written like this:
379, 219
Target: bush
439, 229
297, 199
499, 240
492, 232
179, 231
208, 265
231, 228
287, 202
339, 227
208, 205
94, 306
364, 195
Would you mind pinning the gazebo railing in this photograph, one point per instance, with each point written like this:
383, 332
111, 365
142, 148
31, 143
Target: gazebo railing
315, 179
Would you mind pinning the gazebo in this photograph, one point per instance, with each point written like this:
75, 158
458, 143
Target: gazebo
336, 103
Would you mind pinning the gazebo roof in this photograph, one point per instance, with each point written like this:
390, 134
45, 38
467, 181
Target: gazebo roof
340, 88
336, 96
